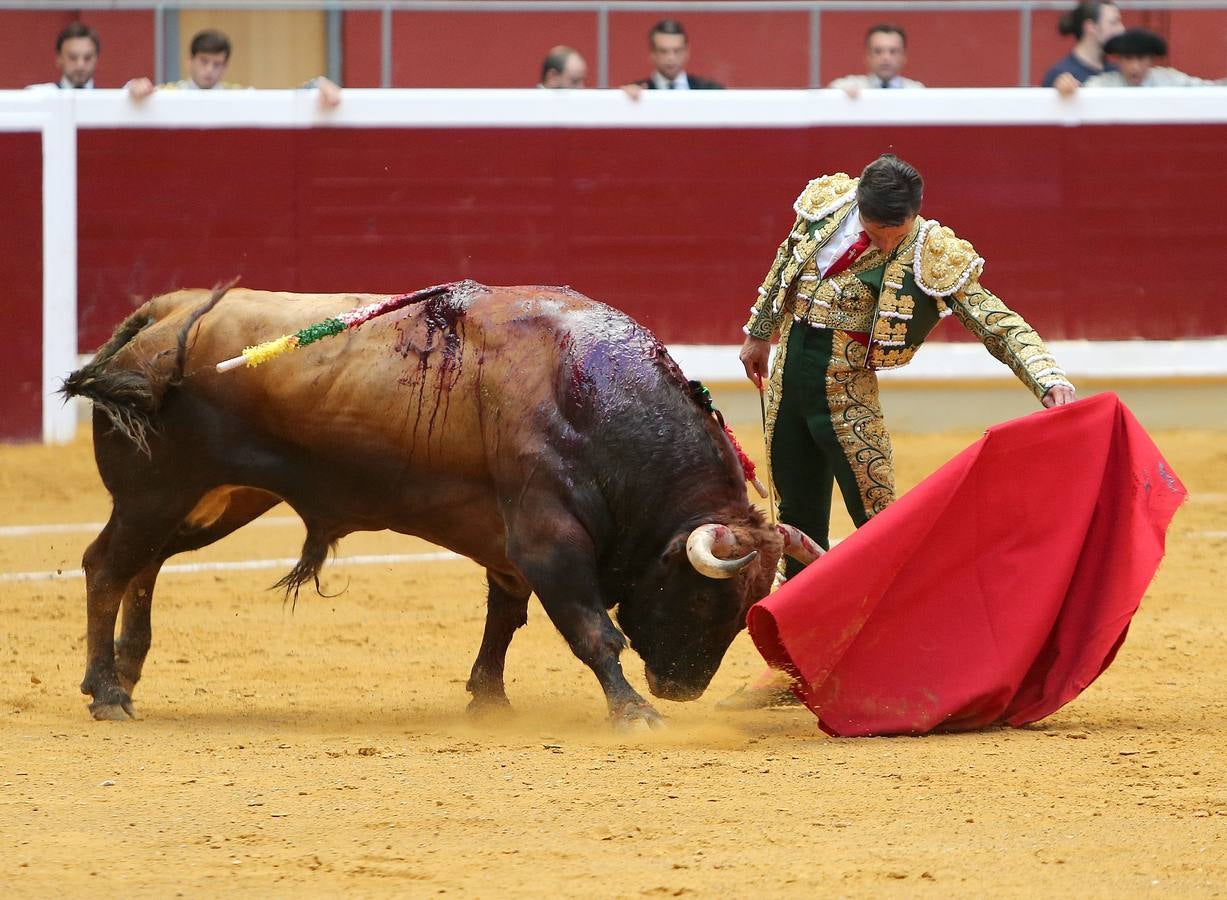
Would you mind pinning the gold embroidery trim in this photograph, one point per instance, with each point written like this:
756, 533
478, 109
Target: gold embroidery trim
775, 392
856, 418
824, 195
944, 262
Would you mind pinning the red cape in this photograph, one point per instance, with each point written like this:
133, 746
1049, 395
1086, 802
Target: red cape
993, 592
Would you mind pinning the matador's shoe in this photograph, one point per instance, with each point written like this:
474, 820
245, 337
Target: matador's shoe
772, 689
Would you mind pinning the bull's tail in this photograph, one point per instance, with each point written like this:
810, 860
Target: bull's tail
127, 396
316, 549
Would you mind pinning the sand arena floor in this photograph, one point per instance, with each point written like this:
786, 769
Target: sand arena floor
325, 751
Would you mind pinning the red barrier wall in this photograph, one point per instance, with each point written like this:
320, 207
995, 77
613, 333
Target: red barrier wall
21, 273
1086, 230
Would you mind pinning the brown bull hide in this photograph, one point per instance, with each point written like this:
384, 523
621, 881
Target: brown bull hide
544, 435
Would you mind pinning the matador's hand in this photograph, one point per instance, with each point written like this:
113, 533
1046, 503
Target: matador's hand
1058, 395
755, 356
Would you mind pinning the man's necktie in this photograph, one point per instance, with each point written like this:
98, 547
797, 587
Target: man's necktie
859, 246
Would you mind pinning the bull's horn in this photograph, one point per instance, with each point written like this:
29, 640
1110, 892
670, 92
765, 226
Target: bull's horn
799, 545
701, 549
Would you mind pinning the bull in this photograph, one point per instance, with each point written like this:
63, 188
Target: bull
544, 435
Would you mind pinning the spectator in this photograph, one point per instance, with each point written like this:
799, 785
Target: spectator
76, 55
670, 51
563, 68
1135, 51
209, 56
885, 57
1091, 24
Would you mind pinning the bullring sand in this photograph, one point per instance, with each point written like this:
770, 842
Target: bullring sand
323, 749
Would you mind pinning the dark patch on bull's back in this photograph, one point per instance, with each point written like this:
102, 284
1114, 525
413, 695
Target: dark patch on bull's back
603, 349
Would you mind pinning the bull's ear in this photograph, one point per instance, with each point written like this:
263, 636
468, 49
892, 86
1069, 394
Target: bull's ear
674, 550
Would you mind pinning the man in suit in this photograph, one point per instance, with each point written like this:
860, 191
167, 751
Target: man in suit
670, 51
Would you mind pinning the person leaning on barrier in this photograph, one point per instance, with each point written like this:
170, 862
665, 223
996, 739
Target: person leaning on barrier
885, 57
670, 51
76, 55
563, 68
1091, 25
1135, 51
856, 286
209, 55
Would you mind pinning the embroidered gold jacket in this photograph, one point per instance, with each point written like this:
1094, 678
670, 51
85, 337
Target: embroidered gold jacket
898, 298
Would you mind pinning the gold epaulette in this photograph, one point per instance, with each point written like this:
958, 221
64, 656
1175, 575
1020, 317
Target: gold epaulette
824, 195
943, 262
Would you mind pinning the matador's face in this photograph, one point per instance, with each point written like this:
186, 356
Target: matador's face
887, 237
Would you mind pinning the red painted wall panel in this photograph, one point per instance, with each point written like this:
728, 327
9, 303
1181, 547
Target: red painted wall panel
21, 273
127, 46
1078, 225
159, 210
1197, 42
484, 49
360, 49
27, 46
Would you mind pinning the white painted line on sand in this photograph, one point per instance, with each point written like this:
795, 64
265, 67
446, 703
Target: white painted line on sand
389, 559
13, 531
187, 568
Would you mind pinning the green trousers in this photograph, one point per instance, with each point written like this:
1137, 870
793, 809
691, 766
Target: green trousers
826, 426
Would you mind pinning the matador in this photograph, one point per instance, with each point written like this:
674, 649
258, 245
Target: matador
857, 285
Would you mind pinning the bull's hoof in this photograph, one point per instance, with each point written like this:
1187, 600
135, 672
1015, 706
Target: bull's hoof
638, 716
489, 707
113, 712
112, 705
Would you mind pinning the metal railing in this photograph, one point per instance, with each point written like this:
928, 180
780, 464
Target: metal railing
166, 19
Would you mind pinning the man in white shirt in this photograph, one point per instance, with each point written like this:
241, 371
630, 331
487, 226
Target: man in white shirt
885, 57
209, 57
76, 55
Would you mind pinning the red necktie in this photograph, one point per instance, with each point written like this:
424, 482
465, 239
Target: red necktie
859, 246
